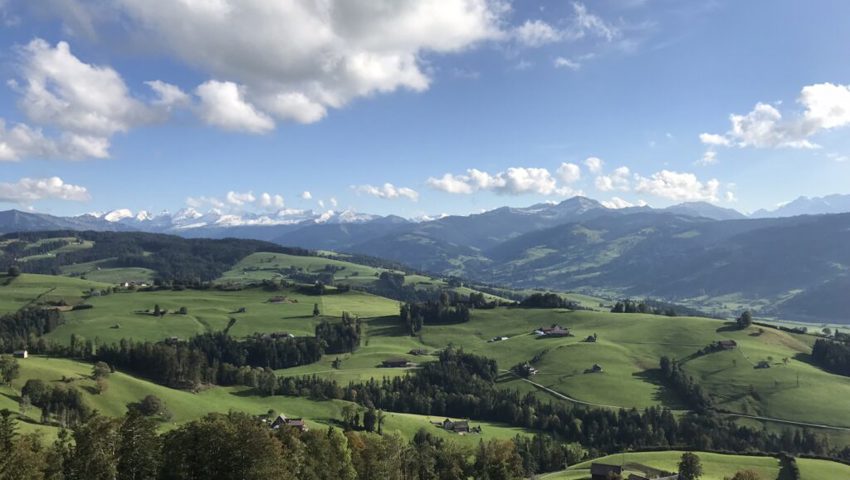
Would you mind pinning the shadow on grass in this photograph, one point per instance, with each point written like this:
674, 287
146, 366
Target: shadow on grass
14, 398
728, 327
664, 395
388, 326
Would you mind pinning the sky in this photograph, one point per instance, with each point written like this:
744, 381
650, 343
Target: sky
420, 107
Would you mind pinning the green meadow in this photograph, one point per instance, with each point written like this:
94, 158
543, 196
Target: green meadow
185, 406
715, 466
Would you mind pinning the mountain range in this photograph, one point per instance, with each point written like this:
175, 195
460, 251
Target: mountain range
696, 254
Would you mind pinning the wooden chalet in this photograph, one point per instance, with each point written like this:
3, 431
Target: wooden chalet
601, 471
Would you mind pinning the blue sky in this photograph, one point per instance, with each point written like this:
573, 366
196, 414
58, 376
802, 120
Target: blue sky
420, 107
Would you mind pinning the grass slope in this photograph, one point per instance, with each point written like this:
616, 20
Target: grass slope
17, 292
715, 466
185, 406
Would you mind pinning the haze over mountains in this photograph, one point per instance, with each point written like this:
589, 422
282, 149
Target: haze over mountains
693, 253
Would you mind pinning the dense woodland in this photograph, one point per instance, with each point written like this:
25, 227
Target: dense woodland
832, 356
241, 447
433, 312
174, 259
24, 327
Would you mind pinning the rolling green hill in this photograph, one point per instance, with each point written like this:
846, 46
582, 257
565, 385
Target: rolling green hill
715, 466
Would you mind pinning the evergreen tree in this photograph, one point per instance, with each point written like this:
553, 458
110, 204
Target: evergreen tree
138, 448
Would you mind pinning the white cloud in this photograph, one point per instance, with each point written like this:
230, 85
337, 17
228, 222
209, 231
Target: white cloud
617, 180
223, 105
678, 186
569, 172
62, 90
708, 158
238, 199
714, 139
333, 202
534, 33
321, 203
513, 181
388, 191
269, 201
28, 190
594, 164
826, 106
296, 60
305, 195
562, 62
586, 23
86, 103
168, 95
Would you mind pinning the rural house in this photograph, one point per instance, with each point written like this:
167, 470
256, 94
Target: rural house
20, 354
644, 477
553, 331
395, 363
600, 471
727, 344
281, 420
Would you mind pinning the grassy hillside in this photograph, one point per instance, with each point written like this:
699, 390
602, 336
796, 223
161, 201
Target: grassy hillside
17, 292
715, 466
122, 315
185, 406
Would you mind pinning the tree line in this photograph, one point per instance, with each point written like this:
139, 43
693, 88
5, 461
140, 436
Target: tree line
238, 446
463, 385
442, 311
832, 356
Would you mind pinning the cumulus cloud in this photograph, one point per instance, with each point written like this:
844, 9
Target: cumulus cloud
388, 191
168, 95
85, 103
714, 139
569, 172
617, 180
223, 105
305, 195
513, 181
594, 164
28, 190
678, 186
345, 48
708, 158
268, 200
826, 106
239, 199
61, 90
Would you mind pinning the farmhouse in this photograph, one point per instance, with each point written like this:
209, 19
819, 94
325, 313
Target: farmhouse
281, 335
281, 420
553, 331
461, 426
727, 344
647, 477
601, 471
395, 363
497, 339
20, 354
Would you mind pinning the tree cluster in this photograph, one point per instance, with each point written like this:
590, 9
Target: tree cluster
832, 356
547, 300
21, 329
415, 315
237, 446
685, 386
